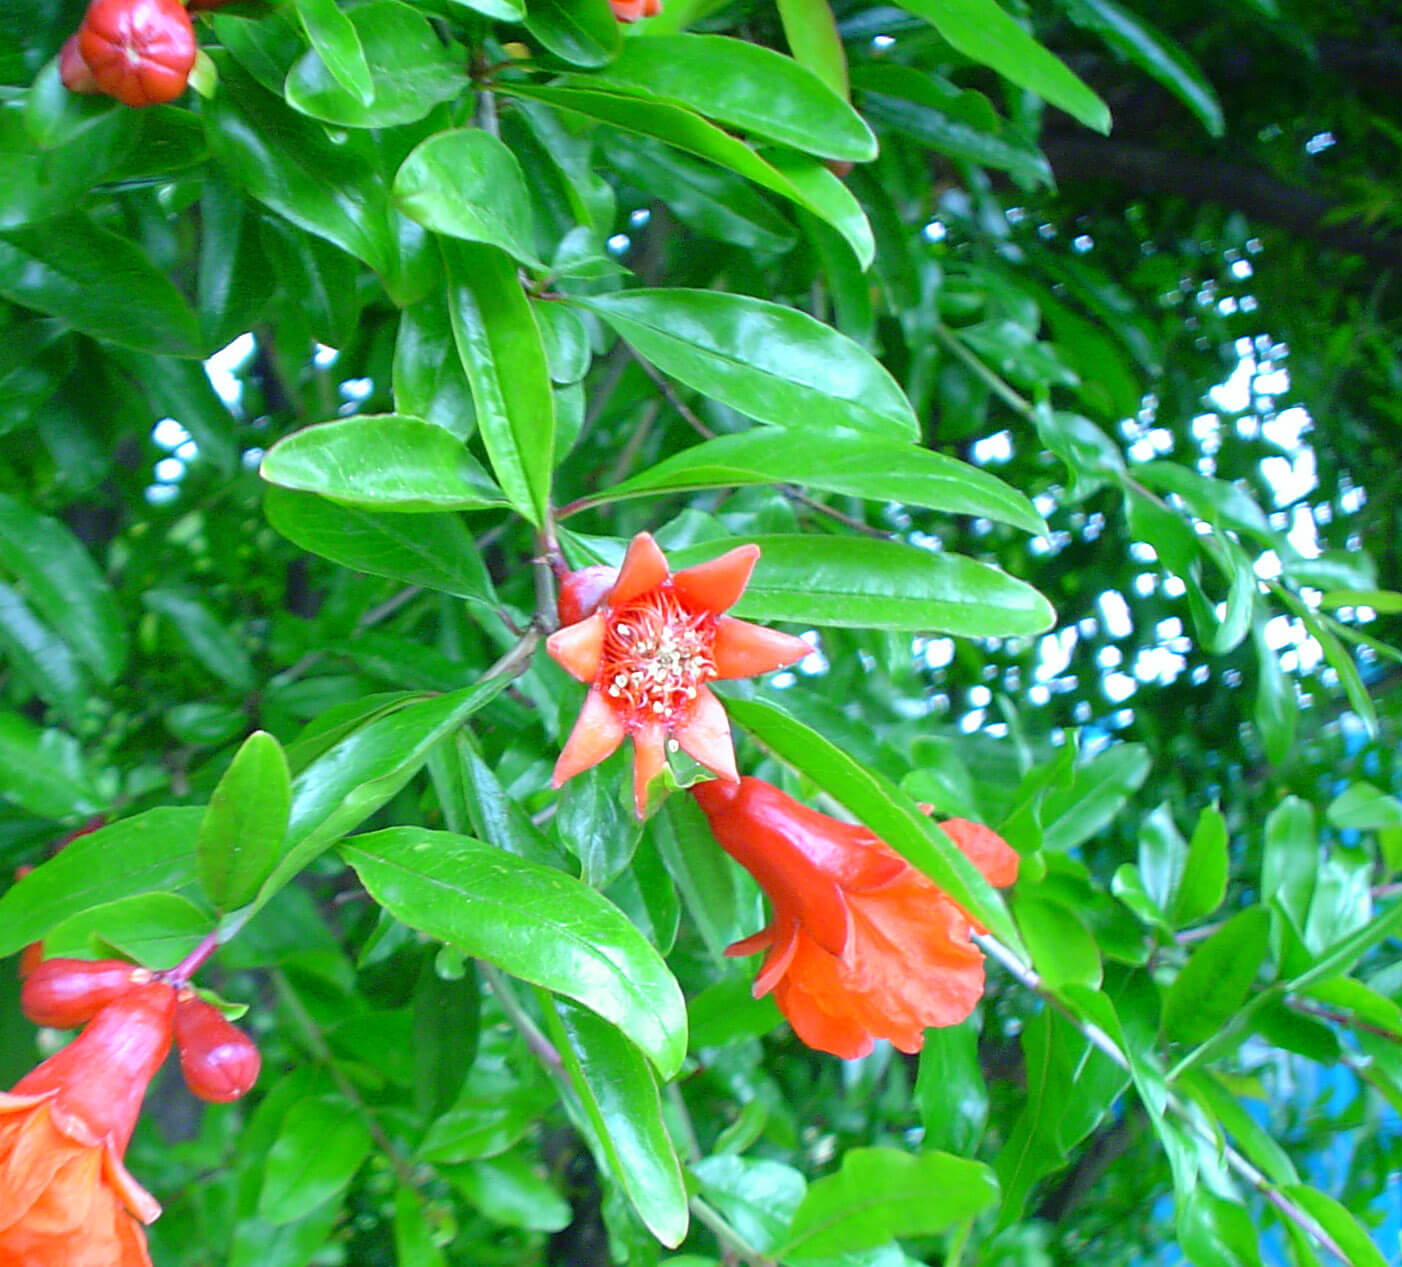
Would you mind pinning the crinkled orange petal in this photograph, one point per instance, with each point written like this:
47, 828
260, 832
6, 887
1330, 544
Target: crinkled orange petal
782, 948
836, 1033
988, 851
649, 756
718, 583
745, 650
597, 732
579, 648
644, 568
706, 736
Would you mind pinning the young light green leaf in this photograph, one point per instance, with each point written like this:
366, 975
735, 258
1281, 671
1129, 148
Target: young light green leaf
381, 462
757, 1195
532, 921
1363, 807
243, 828
1062, 949
156, 930
582, 32
44, 770
336, 42
1204, 882
1073, 814
1290, 859
1214, 983
810, 30
320, 1145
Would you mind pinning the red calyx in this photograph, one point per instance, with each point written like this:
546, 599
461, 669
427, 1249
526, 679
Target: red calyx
139, 51
66, 993
73, 71
219, 1061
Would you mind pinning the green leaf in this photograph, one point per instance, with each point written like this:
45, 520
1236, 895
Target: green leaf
1204, 883
208, 638
853, 466
1363, 807
881, 806
1162, 856
428, 378
534, 922
1214, 983
510, 1192
432, 550
594, 825
504, 356
408, 71
1062, 949
154, 851
245, 824
336, 43
1276, 712
812, 36
862, 582
40, 659
984, 33
156, 930
44, 770
1152, 51
621, 1102
745, 86
63, 583
381, 462
1071, 815
775, 364
413, 1231
710, 883
881, 1193
950, 1089
320, 1145
98, 282
756, 1195
583, 32
1341, 1224
467, 184
1290, 859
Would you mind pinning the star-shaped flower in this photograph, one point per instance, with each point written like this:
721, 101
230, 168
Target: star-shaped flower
647, 643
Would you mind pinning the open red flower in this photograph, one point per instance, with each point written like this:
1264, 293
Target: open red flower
647, 645
860, 945
66, 1199
633, 10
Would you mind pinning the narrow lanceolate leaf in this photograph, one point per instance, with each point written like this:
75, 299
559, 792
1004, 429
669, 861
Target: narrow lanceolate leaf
382, 462
885, 809
582, 32
873, 584
619, 1095
745, 86
244, 825
882, 1193
854, 466
1215, 982
156, 930
153, 852
210, 641
811, 33
1153, 51
532, 921
44, 770
468, 185
319, 1146
984, 33
40, 658
504, 356
773, 363
336, 42
435, 551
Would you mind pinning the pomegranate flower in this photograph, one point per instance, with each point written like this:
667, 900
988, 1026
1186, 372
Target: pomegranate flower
634, 10
860, 944
66, 1200
647, 643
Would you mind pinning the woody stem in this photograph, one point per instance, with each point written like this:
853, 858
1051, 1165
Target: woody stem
192, 962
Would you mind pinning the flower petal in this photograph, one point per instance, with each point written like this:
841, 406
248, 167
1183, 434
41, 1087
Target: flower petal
132, 1195
987, 850
579, 648
706, 736
744, 650
597, 732
718, 583
777, 960
649, 756
644, 568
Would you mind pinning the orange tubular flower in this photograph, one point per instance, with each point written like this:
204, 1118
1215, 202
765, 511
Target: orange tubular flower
860, 945
633, 10
647, 645
66, 1200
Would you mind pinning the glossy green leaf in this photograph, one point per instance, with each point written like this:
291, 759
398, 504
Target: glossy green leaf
534, 922
867, 583
429, 380
150, 852
467, 184
500, 10
209, 640
320, 1145
756, 1195
773, 363
65, 586
810, 30
1101, 787
950, 1089
745, 86
502, 351
881, 1193
583, 32
823, 195
1204, 883
594, 825
336, 44
881, 806
98, 282
435, 551
1214, 983
1276, 711
1363, 807
245, 823
711, 885
854, 466
1290, 859
1163, 853
620, 1098
40, 659
510, 1192
44, 770
414, 1245
156, 930
1341, 1224
409, 69
1063, 950
984, 33
381, 462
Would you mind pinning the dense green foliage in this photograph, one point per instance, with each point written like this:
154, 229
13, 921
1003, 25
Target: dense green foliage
1071, 447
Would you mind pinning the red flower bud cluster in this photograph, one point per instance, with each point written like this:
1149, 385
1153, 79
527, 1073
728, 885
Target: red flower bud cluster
139, 51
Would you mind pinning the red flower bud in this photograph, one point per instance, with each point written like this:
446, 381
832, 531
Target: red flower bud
219, 1061
66, 993
581, 592
73, 70
139, 51
632, 10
